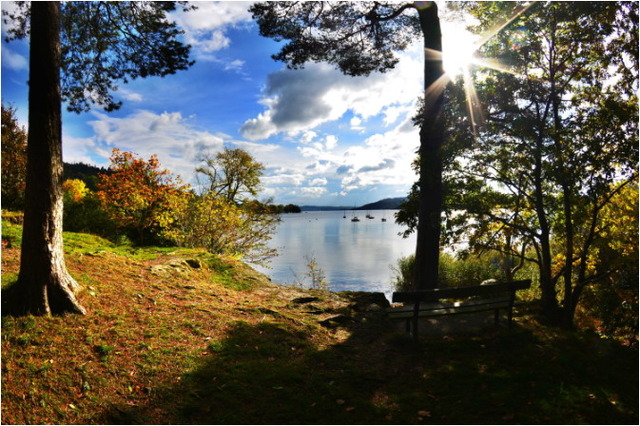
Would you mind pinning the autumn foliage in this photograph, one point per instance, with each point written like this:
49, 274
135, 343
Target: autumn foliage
14, 160
74, 190
137, 192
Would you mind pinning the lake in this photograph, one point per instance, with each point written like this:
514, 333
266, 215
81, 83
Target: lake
353, 255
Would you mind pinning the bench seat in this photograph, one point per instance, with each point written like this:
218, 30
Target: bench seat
449, 308
453, 301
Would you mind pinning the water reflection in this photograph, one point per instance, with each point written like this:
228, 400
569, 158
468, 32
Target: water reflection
353, 255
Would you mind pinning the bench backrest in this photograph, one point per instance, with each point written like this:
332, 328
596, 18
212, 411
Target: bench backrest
436, 294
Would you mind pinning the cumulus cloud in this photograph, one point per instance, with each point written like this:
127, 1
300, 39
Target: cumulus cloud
206, 28
300, 100
169, 135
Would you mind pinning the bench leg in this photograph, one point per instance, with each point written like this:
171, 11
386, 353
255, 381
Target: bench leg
415, 328
496, 316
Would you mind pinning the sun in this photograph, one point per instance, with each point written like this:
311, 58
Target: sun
458, 48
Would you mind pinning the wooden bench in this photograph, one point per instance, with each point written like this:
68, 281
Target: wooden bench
452, 301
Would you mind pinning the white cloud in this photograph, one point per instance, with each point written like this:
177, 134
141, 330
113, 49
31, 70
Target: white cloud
318, 182
283, 178
300, 100
129, 95
168, 135
79, 150
213, 15
384, 158
234, 65
206, 28
330, 142
215, 40
13, 60
311, 191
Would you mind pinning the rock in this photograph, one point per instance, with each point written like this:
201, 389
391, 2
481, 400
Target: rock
194, 263
363, 301
337, 321
303, 300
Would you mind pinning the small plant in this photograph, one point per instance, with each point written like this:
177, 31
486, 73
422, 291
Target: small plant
103, 350
215, 346
315, 273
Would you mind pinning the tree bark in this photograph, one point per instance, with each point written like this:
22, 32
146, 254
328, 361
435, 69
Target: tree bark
431, 141
44, 286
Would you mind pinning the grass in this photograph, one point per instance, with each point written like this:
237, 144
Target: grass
217, 343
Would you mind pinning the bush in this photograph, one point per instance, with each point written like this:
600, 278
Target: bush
87, 215
452, 272
219, 226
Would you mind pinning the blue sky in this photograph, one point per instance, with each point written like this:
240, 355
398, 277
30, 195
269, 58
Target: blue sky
324, 138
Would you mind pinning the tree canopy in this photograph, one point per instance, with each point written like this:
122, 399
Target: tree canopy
232, 173
104, 44
559, 141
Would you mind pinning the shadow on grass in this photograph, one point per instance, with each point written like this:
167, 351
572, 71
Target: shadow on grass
273, 373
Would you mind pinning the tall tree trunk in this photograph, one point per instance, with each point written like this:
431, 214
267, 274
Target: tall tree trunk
547, 285
44, 286
431, 141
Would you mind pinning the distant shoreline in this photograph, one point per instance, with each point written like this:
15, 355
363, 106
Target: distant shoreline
385, 204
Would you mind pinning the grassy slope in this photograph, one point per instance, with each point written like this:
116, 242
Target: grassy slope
216, 343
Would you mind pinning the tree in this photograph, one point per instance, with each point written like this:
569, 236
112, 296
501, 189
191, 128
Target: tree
74, 190
102, 43
233, 174
14, 160
614, 301
360, 38
214, 223
560, 139
136, 192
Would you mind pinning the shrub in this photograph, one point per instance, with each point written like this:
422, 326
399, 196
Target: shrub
219, 226
452, 272
83, 212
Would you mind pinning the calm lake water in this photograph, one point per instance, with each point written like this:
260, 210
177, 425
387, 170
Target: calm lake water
353, 255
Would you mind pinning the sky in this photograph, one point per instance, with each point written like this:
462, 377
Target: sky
324, 138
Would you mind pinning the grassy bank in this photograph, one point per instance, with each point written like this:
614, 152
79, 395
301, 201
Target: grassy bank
180, 336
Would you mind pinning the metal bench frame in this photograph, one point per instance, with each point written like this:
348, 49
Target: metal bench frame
452, 301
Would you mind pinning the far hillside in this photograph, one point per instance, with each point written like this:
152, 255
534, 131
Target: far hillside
385, 204
84, 172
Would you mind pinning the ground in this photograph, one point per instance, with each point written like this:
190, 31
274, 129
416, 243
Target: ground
181, 336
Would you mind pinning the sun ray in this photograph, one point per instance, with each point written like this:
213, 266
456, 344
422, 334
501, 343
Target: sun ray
493, 64
432, 54
466, 59
473, 103
496, 28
